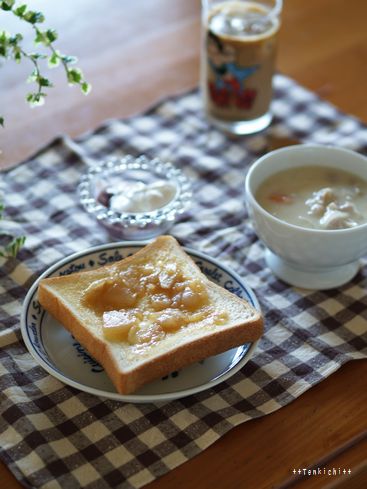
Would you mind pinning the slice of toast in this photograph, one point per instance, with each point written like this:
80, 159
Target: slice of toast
149, 314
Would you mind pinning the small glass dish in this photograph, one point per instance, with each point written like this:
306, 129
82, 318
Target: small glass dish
115, 178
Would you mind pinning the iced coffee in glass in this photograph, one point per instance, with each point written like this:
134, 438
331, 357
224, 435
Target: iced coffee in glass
238, 61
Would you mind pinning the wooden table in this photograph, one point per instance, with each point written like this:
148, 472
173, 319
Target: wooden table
135, 53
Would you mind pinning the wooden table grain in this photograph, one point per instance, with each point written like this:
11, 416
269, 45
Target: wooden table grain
135, 53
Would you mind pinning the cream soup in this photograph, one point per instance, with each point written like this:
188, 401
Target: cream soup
315, 197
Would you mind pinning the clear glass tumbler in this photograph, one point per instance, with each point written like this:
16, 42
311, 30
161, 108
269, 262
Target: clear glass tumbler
239, 40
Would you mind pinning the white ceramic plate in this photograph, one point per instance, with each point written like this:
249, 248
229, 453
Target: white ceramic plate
55, 349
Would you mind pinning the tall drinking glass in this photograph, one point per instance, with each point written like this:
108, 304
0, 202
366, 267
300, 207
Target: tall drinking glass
239, 40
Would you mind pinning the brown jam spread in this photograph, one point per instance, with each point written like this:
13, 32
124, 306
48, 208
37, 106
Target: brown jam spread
143, 303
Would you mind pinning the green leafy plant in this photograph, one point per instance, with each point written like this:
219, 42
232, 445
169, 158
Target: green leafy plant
12, 244
11, 48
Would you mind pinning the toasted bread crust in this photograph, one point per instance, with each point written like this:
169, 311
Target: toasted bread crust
128, 380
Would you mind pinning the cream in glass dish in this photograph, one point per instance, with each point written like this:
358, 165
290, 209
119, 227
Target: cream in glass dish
139, 197
308, 204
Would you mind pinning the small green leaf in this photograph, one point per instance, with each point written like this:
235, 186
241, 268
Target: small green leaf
20, 11
12, 244
69, 60
12, 249
40, 38
74, 76
1, 124
4, 36
34, 17
7, 4
44, 82
33, 77
86, 88
36, 56
14, 40
36, 99
54, 60
51, 35
18, 56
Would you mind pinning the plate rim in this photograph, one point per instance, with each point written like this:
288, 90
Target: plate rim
132, 398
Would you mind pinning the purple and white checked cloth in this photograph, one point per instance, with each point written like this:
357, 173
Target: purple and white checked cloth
53, 436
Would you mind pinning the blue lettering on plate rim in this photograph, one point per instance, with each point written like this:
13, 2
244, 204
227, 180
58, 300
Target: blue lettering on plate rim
106, 257
37, 307
36, 341
101, 259
210, 271
34, 315
72, 268
234, 288
87, 359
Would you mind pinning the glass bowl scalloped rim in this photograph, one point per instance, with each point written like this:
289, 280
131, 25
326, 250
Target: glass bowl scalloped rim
164, 170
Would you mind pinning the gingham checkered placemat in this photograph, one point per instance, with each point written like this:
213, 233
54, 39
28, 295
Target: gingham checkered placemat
51, 435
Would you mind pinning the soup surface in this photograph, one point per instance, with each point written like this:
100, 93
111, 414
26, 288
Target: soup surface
315, 197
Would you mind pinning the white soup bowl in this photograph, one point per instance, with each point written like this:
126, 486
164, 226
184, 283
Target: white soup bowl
308, 258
